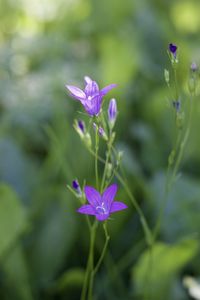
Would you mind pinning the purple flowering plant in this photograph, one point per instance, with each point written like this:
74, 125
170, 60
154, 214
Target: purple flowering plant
98, 201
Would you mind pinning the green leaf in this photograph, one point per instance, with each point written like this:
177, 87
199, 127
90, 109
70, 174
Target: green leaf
12, 218
16, 275
157, 268
72, 278
54, 237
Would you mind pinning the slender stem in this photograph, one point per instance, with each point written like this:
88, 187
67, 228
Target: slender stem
104, 249
180, 147
84, 289
167, 184
96, 157
183, 143
106, 162
91, 260
147, 231
176, 82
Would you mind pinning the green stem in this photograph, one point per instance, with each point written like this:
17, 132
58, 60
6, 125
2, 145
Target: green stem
91, 260
96, 158
147, 231
179, 147
176, 82
104, 249
106, 163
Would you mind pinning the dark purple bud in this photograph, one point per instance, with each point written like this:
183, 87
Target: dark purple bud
177, 105
81, 126
193, 67
112, 112
173, 49
76, 186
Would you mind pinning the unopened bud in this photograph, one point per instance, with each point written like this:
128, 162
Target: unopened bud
109, 170
166, 75
173, 53
112, 112
76, 187
79, 126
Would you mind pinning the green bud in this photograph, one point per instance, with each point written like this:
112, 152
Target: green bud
109, 170
166, 76
87, 140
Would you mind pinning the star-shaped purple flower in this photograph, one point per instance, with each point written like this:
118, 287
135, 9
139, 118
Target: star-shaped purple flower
101, 206
91, 98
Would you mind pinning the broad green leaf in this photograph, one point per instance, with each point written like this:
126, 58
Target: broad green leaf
156, 269
16, 275
12, 218
53, 238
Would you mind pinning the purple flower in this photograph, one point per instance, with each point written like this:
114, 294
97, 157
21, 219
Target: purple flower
173, 49
91, 98
101, 206
112, 112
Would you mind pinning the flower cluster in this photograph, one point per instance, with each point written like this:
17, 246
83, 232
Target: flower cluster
100, 206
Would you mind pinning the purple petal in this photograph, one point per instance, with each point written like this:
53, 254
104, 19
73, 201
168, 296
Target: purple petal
109, 195
93, 106
76, 92
102, 217
91, 89
87, 79
86, 209
116, 206
93, 197
106, 89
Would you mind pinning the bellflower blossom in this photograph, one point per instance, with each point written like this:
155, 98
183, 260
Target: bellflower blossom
91, 98
101, 206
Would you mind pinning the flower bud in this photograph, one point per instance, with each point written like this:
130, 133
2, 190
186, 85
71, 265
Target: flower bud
173, 53
109, 170
101, 131
193, 67
177, 105
112, 112
87, 140
166, 75
79, 126
76, 187
193, 78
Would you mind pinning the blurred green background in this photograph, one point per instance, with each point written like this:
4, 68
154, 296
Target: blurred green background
45, 44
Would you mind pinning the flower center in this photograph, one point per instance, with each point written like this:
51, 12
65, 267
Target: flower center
101, 209
89, 97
